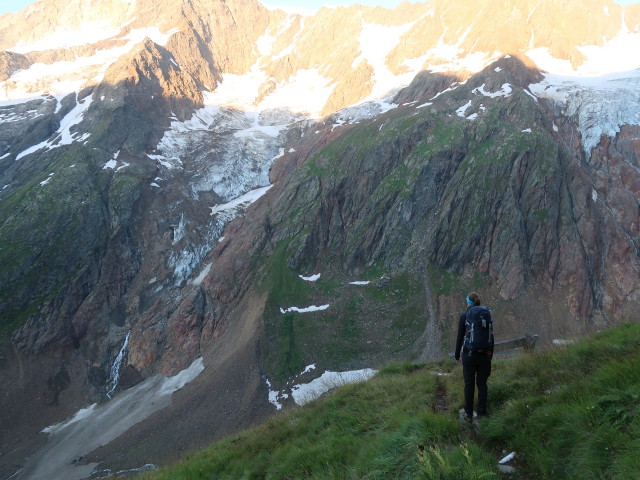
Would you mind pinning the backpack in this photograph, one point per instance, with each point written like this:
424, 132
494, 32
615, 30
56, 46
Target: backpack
478, 336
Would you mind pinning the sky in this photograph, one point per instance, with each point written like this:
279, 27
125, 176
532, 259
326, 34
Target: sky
12, 6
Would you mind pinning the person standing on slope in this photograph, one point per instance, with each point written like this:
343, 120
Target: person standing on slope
474, 349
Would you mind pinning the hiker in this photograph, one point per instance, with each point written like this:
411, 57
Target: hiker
474, 349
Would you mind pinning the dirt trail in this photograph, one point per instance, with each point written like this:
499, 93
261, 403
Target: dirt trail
430, 338
441, 400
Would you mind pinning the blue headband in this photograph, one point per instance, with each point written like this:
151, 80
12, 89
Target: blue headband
471, 304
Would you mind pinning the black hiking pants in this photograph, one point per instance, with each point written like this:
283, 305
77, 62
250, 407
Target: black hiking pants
476, 369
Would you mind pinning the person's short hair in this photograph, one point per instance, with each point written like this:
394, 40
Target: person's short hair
474, 297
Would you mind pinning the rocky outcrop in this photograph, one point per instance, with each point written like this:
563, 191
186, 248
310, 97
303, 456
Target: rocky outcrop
524, 25
10, 62
616, 190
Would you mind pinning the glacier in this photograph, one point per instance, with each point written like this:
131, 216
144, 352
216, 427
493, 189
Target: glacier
601, 105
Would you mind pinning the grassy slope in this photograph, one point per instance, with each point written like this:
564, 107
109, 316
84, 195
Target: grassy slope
569, 412
362, 323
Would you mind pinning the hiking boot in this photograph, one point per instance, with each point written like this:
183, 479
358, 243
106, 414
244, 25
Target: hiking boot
465, 419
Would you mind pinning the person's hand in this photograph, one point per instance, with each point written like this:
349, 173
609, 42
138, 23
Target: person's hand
458, 361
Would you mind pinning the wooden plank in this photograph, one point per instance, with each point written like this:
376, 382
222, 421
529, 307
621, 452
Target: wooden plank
527, 343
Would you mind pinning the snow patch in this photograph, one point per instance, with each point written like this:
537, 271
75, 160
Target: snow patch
462, 109
63, 135
241, 202
312, 278
11, 117
275, 396
273, 399
360, 282
308, 368
526, 130
425, 105
505, 91
449, 89
307, 392
363, 111
47, 180
168, 163
80, 415
205, 271
305, 91
178, 381
279, 155
312, 308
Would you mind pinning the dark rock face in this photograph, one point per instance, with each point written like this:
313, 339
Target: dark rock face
503, 194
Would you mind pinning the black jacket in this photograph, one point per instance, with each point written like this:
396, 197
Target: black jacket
462, 329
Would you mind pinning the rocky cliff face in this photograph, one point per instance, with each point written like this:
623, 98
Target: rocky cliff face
270, 191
